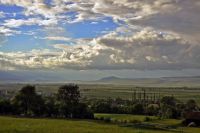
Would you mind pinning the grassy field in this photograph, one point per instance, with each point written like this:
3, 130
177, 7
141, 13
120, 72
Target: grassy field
27, 125
24, 125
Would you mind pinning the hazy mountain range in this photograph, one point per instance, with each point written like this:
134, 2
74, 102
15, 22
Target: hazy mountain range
163, 81
10, 77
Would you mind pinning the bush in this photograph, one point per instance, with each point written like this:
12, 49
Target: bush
101, 107
137, 109
82, 111
152, 109
135, 121
107, 119
116, 121
146, 119
5, 106
101, 118
125, 121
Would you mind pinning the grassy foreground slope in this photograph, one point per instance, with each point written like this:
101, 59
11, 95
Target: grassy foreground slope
25, 125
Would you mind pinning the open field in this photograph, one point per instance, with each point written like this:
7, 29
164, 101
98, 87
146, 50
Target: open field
27, 125
24, 125
114, 91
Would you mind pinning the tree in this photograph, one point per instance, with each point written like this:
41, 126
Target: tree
152, 109
191, 105
101, 107
51, 108
27, 102
137, 109
168, 107
68, 94
181, 109
168, 100
68, 97
5, 106
81, 111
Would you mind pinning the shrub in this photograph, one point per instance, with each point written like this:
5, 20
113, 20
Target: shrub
107, 119
137, 109
134, 121
146, 119
152, 109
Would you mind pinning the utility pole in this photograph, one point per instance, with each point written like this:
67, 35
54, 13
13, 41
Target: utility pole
132, 95
135, 98
144, 95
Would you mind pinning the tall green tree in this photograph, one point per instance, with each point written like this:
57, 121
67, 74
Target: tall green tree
168, 107
5, 106
51, 109
28, 102
68, 98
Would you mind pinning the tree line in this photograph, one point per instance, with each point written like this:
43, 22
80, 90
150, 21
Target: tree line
166, 107
67, 103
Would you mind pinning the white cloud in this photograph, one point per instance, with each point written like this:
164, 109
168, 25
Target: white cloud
172, 42
180, 16
31, 7
7, 31
2, 14
183, 18
57, 38
94, 22
15, 23
147, 49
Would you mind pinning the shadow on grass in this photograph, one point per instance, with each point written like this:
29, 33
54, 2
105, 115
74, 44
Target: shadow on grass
152, 126
136, 124
14, 131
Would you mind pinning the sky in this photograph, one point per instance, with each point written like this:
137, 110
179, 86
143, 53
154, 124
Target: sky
91, 39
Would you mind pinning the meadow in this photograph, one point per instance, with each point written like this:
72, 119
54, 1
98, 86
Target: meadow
25, 125
30, 125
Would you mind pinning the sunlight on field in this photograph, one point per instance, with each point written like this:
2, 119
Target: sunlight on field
24, 125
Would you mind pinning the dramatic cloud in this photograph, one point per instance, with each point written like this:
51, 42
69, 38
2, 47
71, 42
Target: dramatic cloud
180, 16
147, 49
183, 19
153, 34
14, 23
150, 49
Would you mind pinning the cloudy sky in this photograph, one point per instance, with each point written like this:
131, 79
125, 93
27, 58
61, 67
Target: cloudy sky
90, 39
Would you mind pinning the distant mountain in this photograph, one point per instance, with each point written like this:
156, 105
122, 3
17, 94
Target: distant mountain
163, 81
110, 78
13, 77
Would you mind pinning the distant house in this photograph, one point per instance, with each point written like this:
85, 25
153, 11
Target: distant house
39, 92
192, 117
